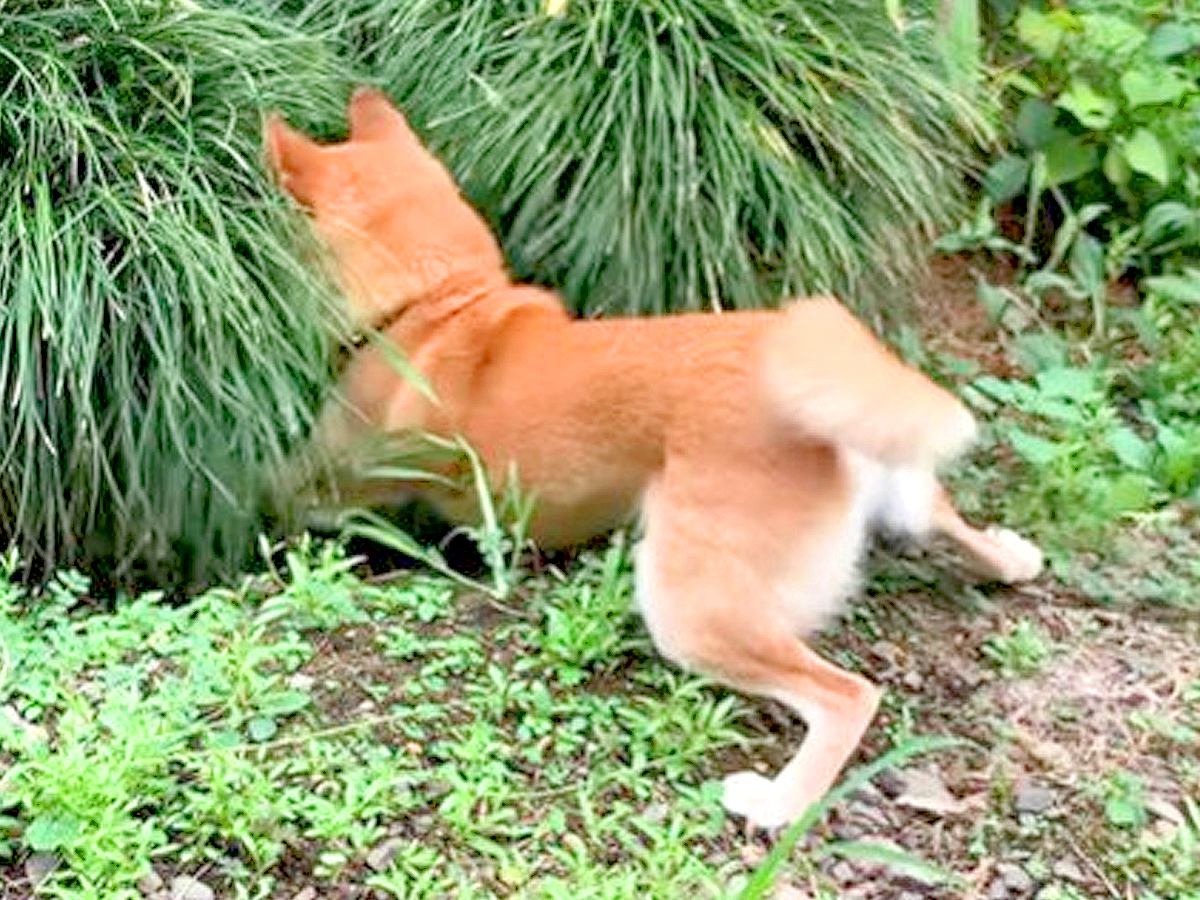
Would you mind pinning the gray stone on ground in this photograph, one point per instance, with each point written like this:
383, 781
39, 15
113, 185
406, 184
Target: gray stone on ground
185, 887
39, 866
1032, 797
151, 884
381, 855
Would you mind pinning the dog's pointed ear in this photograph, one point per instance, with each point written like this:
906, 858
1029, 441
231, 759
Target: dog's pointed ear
373, 117
289, 152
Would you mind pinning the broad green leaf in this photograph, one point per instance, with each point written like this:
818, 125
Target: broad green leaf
1169, 220
1068, 158
1172, 38
1043, 281
1035, 123
1022, 83
48, 832
1129, 492
1131, 449
1183, 288
223, 739
261, 728
1150, 88
1087, 263
1115, 169
1036, 451
996, 388
284, 703
1092, 109
1068, 382
998, 301
1145, 154
1043, 32
1006, 178
1108, 38
1040, 350
900, 861
1058, 410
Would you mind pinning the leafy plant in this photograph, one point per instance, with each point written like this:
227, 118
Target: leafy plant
1022, 650
164, 344
585, 618
1103, 441
501, 535
1105, 156
1125, 800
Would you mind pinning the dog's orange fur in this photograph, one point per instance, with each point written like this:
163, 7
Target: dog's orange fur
759, 447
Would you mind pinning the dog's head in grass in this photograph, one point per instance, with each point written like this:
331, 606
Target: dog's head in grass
386, 207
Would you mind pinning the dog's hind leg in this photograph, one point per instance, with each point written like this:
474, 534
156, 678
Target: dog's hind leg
996, 552
837, 707
714, 605
910, 501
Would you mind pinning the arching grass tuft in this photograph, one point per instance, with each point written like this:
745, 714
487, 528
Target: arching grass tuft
680, 154
161, 343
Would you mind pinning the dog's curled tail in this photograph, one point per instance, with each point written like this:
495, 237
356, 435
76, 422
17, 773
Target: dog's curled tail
827, 375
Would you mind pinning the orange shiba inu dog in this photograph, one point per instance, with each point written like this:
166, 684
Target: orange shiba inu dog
760, 448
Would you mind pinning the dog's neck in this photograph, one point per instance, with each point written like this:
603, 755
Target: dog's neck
441, 302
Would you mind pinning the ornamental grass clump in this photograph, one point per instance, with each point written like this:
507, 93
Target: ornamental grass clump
162, 343
680, 154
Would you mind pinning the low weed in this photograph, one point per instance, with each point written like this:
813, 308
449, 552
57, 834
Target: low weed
1023, 650
1102, 158
1106, 444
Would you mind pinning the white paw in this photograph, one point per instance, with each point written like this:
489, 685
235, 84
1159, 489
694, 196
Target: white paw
757, 798
1022, 560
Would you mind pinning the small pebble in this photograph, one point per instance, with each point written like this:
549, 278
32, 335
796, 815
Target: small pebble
891, 783
844, 871
381, 856
655, 813
1015, 878
39, 866
912, 680
184, 887
786, 891
1032, 797
151, 884
1068, 870
752, 854
301, 682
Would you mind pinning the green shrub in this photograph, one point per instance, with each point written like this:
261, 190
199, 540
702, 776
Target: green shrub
679, 154
161, 342
1105, 144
